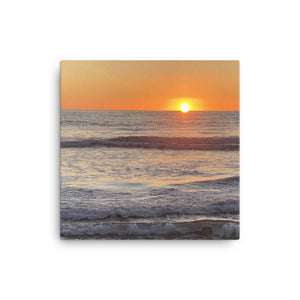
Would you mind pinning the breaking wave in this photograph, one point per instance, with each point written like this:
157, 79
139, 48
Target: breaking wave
221, 209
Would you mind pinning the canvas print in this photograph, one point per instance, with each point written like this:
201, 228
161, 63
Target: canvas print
149, 150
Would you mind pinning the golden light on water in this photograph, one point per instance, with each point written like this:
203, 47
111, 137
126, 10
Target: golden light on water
184, 108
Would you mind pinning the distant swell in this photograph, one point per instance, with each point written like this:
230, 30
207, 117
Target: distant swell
157, 142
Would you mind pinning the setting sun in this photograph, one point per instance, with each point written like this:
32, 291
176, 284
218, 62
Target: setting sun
184, 108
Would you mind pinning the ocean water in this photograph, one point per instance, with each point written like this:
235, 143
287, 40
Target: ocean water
149, 175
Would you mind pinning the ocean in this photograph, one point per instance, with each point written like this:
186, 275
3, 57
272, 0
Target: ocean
149, 175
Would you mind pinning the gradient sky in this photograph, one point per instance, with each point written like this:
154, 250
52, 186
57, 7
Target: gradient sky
150, 85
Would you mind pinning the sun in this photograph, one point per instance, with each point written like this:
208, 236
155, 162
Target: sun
184, 108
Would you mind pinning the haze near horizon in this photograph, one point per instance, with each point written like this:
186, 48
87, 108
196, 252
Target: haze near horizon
150, 85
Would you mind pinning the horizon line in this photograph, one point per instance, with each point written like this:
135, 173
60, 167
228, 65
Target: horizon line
145, 110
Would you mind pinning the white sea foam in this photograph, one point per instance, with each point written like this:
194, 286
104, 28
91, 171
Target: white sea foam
203, 228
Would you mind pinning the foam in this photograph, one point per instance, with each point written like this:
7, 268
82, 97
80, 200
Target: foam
221, 208
196, 229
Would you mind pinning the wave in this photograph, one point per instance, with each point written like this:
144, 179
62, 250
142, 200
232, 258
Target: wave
220, 209
208, 180
195, 229
157, 142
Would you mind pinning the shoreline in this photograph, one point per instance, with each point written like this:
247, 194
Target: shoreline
202, 228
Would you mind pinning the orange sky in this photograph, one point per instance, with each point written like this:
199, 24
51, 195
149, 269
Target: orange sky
150, 85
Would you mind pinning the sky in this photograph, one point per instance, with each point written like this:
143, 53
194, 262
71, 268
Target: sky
150, 85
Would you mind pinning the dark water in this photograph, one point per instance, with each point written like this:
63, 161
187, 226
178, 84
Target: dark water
145, 174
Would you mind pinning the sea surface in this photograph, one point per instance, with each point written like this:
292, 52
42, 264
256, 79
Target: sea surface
149, 175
